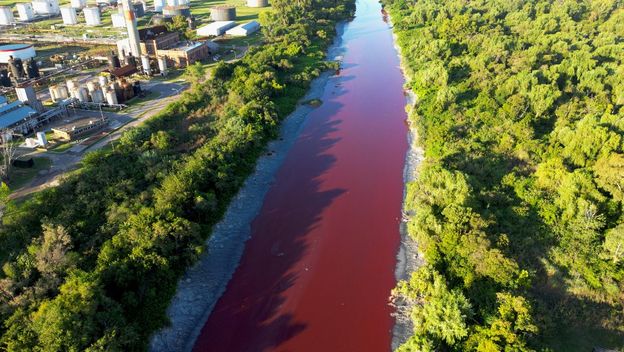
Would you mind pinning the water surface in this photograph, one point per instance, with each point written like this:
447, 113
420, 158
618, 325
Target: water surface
318, 269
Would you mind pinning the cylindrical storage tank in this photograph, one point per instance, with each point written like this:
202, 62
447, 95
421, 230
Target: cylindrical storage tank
71, 84
139, 9
78, 4
81, 94
158, 5
145, 63
53, 96
46, 7
172, 11
172, 3
69, 15
97, 96
118, 19
92, 16
16, 67
257, 3
25, 11
103, 81
223, 13
162, 65
93, 85
61, 91
18, 51
111, 97
6, 16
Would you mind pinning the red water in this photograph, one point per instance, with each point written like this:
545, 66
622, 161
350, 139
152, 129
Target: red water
318, 270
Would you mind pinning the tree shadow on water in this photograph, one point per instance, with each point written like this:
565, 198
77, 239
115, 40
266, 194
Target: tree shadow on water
249, 316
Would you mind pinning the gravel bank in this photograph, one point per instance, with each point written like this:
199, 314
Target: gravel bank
408, 258
203, 284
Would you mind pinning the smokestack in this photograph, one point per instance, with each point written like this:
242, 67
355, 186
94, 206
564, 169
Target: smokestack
133, 31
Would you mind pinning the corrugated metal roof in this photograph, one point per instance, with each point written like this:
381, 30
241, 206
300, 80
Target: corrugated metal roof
11, 117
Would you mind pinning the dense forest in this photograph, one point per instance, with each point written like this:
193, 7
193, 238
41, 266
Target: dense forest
93, 263
518, 206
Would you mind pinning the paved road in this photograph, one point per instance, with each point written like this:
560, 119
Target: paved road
64, 162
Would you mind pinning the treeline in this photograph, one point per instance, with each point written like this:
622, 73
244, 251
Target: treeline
93, 263
518, 205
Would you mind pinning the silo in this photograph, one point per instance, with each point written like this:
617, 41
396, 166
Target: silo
71, 84
139, 9
92, 16
103, 81
53, 96
180, 10
78, 4
16, 67
158, 5
162, 65
25, 11
111, 97
69, 15
145, 63
6, 16
118, 20
81, 94
61, 91
93, 85
223, 13
97, 96
257, 3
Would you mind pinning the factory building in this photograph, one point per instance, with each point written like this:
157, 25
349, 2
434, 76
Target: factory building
244, 29
215, 29
159, 42
17, 117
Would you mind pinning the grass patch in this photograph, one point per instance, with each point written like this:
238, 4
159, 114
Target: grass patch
22, 176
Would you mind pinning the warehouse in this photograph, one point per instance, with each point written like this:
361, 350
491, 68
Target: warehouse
17, 116
215, 29
244, 29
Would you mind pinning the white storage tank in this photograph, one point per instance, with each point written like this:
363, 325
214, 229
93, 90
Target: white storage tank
118, 20
257, 3
71, 84
173, 3
92, 86
92, 16
18, 51
162, 65
111, 97
97, 96
145, 63
46, 7
61, 92
25, 11
158, 5
79, 4
81, 94
6, 16
103, 81
69, 15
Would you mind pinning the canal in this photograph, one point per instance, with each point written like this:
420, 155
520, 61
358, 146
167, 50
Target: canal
318, 269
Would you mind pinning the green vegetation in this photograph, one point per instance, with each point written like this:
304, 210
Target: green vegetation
93, 263
20, 177
518, 206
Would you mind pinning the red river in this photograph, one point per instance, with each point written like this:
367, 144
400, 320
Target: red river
318, 269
